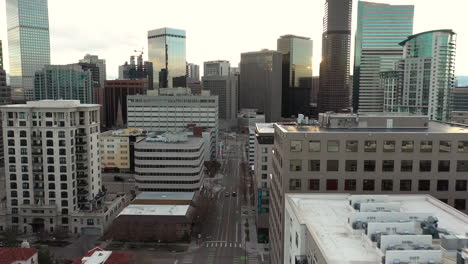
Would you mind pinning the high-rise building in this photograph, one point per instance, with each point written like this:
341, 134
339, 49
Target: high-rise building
137, 71
115, 102
422, 82
98, 74
459, 99
366, 154
5, 98
53, 167
1, 55
225, 87
297, 66
380, 29
193, 71
260, 83
28, 44
334, 69
216, 68
166, 50
67, 82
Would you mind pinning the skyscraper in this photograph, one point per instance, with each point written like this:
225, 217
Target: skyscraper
422, 82
137, 71
28, 42
260, 83
380, 28
216, 68
297, 67
166, 50
5, 98
193, 71
334, 69
225, 87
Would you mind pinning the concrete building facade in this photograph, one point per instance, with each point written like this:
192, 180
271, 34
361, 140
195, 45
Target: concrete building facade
216, 68
225, 87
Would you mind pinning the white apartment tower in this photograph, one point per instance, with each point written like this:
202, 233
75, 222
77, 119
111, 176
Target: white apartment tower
52, 165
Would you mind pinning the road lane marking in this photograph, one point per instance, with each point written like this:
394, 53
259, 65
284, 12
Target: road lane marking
237, 224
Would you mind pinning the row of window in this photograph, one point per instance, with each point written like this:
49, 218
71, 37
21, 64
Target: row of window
26, 194
372, 146
49, 134
25, 185
168, 150
168, 182
370, 165
51, 177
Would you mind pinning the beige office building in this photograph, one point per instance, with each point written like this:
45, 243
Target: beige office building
367, 154
116, 147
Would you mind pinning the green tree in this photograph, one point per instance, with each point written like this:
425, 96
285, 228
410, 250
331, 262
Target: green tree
45, 256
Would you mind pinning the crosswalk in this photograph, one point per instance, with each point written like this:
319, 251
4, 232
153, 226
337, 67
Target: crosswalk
251, 259
222, 244
211, 256
188, 259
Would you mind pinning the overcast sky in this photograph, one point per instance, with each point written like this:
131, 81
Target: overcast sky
216, 29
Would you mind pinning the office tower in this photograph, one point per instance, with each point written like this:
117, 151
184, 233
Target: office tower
28, 44
341, 228
459, 100
138, 70
297, 65
380, 29
367, 154
193, 71
1, 55
334, 68
225, 87
68, 82
216, 68
195, 86
166, 50
171, 162
99, 75
53, 163
422, 82
260, 83
115, 102
5, 98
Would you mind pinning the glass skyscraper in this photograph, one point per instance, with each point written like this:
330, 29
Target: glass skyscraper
380, 28
166, 50
297, 67
29, 44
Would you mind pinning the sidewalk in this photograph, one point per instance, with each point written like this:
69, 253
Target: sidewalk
251, 246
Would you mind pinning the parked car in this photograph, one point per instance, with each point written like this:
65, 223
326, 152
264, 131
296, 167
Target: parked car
234, 194
118, 178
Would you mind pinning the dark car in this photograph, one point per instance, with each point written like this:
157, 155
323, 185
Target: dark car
234, 194
118, 178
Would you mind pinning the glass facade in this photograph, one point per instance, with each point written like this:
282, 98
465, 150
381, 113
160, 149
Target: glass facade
166, 50
297, 66
67, 82
29, 44
380, 28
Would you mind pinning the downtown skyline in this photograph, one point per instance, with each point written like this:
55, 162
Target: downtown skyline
116, 39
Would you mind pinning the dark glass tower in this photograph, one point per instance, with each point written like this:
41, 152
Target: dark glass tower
334, 92
166, 50
297, 70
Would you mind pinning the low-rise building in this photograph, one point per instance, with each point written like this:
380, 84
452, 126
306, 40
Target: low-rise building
117, 149
372, 229
101, 256
18, 256
460, 117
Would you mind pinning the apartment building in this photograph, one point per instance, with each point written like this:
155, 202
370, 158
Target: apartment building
170, 162
367, 154
264, 138
117, 149
53, 166
372, 229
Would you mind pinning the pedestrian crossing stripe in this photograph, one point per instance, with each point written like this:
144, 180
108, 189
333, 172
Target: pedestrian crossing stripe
225, 244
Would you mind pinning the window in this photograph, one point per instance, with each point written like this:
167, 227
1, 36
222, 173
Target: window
389, 146
294, 184
49, 134
332, 185
296, 146
369, 165
265, 159
264, 176
460, 204
295, 165
460, 185
351, 165
22, 133
445, 146
351, 145
407, 146
426, 146
90, 222
387, 185
333, 146
444, 165
368, 185
264, 150
370, 146
405, 185
314, 165
387, 165
462, 165
406, 166
350, 185
332, 165
314, 146
442, 185
462, 146
314, 184
424, 165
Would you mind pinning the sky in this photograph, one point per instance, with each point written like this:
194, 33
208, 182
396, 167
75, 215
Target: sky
216, 29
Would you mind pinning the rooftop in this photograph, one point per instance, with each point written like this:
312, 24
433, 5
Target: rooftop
266, 128
155, 210
328, 218
183, 196
426, 32
11, 255
123, 132
99, 256
169, 140
51, 104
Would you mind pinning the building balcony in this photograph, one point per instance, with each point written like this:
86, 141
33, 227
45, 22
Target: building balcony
80, 134
38, 170
82, 176
82, 192
81, 143
36, 144
81, 151
81, 167
82, 184
82, 201
39, 187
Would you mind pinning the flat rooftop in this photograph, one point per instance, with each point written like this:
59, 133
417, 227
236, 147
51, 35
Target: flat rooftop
266, 128
171, 140
326, 218
155, 210
50, 104
182, 196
